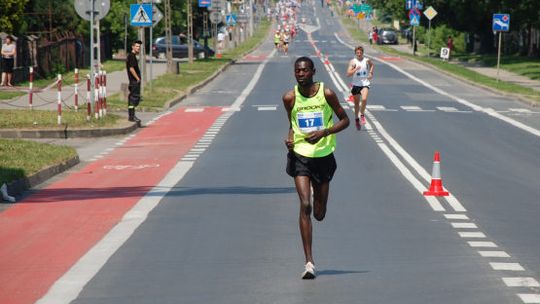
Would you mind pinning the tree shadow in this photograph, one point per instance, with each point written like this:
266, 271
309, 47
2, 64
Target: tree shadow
333, 272
52, 195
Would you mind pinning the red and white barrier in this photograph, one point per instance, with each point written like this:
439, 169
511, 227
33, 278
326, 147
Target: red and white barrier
59, 86
31, 87
88, 101
76, 89
97, 110
104, 82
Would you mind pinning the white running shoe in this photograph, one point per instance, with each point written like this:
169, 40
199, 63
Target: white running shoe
309, 273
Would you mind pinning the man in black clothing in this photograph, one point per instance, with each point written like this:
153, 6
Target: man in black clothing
134, 75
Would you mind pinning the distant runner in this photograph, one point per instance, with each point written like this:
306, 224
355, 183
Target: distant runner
311, 143
361, 70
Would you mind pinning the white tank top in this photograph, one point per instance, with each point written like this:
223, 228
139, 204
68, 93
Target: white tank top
359, 78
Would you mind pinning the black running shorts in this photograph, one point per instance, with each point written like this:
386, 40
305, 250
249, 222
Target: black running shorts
356, 90
319, 169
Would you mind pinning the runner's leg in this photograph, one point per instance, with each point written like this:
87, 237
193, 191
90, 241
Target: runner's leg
320, 198
304, 194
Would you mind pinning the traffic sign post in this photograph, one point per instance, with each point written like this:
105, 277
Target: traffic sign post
430, 13
414, 17
501, 23
93, 11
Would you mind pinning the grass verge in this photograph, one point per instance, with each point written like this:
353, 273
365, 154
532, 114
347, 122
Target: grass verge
19, 158
35, 119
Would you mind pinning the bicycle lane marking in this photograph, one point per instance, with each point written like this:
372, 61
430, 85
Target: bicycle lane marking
48, 232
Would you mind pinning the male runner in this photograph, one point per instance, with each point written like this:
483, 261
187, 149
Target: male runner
311, 143
361, 70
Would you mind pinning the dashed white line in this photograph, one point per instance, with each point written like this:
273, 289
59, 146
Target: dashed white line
494, 254
472, 235
506, 266
482, 244
464, 225
456, 216
529, 298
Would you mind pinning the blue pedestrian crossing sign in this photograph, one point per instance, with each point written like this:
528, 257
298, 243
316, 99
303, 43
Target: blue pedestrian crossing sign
231, 19
415, 20
140, 14
501, 22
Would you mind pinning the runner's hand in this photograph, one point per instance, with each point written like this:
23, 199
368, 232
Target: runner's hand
315, 136
289, 143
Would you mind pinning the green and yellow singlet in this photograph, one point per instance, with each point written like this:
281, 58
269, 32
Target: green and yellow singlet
311, 114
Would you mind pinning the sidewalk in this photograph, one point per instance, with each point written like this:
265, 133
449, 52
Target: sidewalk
46, 99
504, 75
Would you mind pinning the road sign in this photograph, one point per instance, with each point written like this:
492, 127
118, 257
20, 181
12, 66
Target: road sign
242, 18
415, 20
84, 8
430, 13
215, 17
205, 3
501, 22
409, 4
231, 19
141, 14
445, 53
157, 15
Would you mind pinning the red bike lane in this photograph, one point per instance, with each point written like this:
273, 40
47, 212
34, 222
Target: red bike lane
42, 236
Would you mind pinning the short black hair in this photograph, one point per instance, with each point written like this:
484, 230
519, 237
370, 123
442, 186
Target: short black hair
137, 42
305, 59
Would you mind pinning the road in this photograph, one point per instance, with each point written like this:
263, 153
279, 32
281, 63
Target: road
197, 208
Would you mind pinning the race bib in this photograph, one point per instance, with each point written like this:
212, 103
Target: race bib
362, 74
309, 122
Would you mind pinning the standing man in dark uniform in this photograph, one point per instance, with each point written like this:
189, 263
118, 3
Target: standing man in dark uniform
311, 142
134, 75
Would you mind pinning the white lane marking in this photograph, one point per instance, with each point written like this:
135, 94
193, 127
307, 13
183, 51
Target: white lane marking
520, 110
488, 111
482, 244
451, 199
194, 109
532, 298
198, 150
464, 225
230, 109
521, 282
267, 108
434, 203
506, 266
447, 109
376, 107
189, 158
456, 216
68, 287
494, 254
479, 235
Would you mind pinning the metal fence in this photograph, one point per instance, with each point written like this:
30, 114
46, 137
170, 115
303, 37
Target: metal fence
49, 58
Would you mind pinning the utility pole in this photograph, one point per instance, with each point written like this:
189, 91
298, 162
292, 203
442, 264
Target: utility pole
168, 35
190, 30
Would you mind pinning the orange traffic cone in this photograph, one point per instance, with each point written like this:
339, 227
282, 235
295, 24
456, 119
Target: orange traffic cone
436, 188
326, 60
351, 98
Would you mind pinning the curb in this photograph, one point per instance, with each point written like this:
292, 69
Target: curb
128, 127
17, 187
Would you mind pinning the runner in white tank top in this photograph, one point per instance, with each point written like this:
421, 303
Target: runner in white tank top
361, 70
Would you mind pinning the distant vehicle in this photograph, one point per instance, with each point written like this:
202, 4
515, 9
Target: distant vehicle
387, 36
179, 48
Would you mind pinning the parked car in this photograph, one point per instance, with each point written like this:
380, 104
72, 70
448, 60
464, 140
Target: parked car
179, 48
387, 36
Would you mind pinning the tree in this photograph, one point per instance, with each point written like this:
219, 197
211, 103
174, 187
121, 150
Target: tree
11, 17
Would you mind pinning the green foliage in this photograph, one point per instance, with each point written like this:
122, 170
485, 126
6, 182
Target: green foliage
20, 158
11, 15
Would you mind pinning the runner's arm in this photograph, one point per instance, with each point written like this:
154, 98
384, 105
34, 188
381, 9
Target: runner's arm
342, 124
288, 103
351, 68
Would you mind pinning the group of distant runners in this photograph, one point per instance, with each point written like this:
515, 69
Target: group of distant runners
286, 19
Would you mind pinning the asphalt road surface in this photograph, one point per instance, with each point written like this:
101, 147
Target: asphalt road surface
219, 223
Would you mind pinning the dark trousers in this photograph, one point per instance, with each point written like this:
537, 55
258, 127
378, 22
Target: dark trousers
134, 97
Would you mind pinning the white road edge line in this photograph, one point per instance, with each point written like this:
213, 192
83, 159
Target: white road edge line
68, 287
